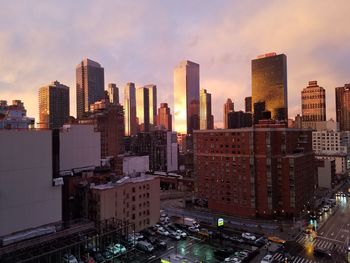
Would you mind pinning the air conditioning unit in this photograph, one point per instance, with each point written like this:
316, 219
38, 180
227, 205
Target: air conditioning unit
57, 181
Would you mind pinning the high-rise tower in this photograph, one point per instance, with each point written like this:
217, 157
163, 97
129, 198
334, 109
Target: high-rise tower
89, 84
186, 97
313, 105
53, 105
269, 84
130, 109
342, 104
206, 117
113, 93
228, 107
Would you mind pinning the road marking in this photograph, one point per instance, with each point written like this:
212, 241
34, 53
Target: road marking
170, 247
341, 236
152, 257
332, 234
321, 233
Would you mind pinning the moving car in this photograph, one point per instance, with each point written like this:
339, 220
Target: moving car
319, 252
276, 240
233, 259
267, 259
326, 208
248, 236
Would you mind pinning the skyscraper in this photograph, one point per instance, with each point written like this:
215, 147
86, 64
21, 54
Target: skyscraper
90, 85
269, 84
113, 93
313, 105
206, 117
142, 108
248, 104
228, 107
130, 109
164, 119
186, 97
342, 104
53, 105
152, 94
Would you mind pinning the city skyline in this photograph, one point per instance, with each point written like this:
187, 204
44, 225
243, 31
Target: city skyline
225, 64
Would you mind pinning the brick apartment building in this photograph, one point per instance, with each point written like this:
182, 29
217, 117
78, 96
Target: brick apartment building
134, 200
262, 171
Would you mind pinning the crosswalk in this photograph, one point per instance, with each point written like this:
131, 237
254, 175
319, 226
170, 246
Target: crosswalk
324, 244
278, 257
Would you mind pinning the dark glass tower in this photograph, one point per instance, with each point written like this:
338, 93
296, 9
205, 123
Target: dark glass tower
269, 84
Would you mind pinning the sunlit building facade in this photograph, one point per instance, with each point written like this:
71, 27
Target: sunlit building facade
89, 85
152, 95
130, 109
113, 93
269, 84
342, 104
53, 105
313, 105
228, 107
206, 117
164, 118
186, 97
142, 108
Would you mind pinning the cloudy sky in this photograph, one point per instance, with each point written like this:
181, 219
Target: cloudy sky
142, 41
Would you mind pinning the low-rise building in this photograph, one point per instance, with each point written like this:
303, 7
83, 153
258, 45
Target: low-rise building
14, 116
134, 200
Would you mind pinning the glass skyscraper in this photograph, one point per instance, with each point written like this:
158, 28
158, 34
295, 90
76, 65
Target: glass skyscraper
269, 84
186, 97
90, 85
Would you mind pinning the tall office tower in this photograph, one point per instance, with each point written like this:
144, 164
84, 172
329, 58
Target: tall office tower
248, 104
113, 93
186, 97
228, 107
152, 94
164, 120
313, 102
142, 108
130, 109
90, 85
342, 104
206, 117
269, 84
53, 105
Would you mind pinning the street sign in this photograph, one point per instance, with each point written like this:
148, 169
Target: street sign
220, 221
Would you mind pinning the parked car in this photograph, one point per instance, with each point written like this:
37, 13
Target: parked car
326, 208
181, 233
223, 253
320, 212
116, 249
107, 254
162, 231
87, 258
233, 259
261, 241
248, 236
267, 259
69, 258
157, 242
145, 246
193, 229
174, 235
98, 257
236, 239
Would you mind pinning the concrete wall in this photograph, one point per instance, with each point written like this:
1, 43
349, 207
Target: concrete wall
172, 152
135, 164
325, 174
80, 146
27, 197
